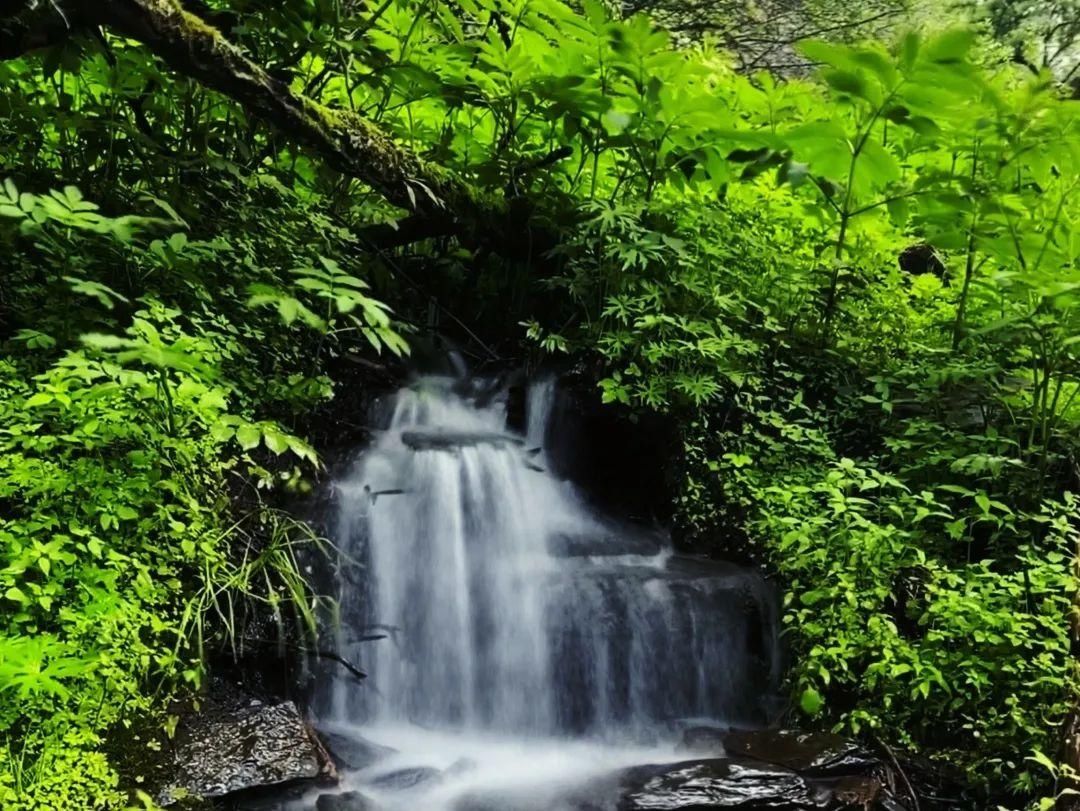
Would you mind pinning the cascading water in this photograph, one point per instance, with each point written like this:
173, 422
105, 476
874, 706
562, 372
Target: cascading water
521, 629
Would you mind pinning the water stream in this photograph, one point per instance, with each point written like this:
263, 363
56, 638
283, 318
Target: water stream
530, 644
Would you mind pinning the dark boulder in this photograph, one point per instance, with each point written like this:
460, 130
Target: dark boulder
291, 797
439, 440
922, 258
811, 754
402, 779
346, 801
608, 541
720, 783
244, 748
353, 752
704, 739
781, 770
877, 777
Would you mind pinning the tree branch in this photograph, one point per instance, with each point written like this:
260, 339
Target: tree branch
350, 143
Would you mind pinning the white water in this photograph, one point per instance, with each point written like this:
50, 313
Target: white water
537, 668
493, 772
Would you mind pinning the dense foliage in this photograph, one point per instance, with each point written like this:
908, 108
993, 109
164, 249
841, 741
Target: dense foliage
139, 459
856, 294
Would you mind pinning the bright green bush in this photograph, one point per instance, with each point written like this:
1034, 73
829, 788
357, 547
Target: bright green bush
898, 444
124, 555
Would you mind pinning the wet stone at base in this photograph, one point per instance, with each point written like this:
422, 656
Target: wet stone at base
346, 801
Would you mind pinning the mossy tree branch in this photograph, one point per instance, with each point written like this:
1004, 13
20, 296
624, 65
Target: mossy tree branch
348, 142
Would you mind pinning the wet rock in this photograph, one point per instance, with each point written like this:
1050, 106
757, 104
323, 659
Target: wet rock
861, 792
621, 541
780, 770
703, 739
353, 752
855, 775
295, 797
402, 779
701, 618
721, 783
812, 754
346, 801
694, 567
255, 746
436, 440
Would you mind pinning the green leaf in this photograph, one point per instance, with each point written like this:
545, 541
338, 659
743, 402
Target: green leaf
301, 448
222, 432
1038, 757
899, 210
950, 46
275, 440
876, 166
289, 308
828, 53
909, 49
178, 241
811, 701
855, 84
248, 436
824, 145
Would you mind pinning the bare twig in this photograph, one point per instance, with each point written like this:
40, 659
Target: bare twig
357, 673
900, 771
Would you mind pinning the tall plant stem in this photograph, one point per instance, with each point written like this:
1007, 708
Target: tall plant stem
969, 262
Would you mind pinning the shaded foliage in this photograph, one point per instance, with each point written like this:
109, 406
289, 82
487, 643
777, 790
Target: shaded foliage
896, 439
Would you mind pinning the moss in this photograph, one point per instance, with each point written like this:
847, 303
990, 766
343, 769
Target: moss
355, 145
140, 751
195, 26
327, 116
191, 25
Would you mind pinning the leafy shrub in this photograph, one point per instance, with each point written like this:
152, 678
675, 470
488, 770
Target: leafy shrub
898, 444
122, 555
897, 439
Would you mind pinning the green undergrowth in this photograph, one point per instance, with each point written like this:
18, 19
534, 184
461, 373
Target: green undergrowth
855, 290
140, 530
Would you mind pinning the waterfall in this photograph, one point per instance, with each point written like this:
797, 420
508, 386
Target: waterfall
540, 404
510, 608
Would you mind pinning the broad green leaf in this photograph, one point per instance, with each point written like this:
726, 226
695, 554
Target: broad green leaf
248, 436
811, 701
949, 46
